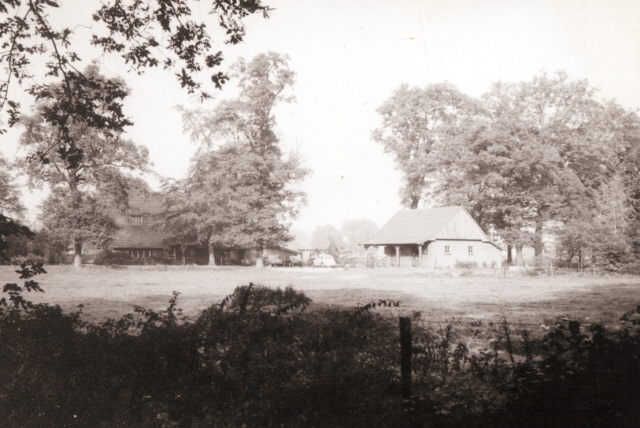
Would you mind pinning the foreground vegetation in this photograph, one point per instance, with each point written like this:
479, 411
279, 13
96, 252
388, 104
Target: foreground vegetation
263, 357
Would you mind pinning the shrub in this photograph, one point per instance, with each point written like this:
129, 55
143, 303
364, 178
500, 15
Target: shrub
465, 265
29, 259
108, 257
631, 268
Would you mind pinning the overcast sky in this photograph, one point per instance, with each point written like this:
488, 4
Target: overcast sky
349, 55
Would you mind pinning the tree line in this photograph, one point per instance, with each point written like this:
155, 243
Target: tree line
544, 155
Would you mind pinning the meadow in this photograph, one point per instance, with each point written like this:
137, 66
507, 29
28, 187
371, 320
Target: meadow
107, 292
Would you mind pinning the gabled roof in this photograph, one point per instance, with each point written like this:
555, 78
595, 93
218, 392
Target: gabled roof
428, 224
146, 235
289, 250
138, 236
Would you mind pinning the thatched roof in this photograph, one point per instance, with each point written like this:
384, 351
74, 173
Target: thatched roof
146, 235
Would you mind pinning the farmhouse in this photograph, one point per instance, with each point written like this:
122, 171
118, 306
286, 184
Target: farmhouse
435, 238
138, 233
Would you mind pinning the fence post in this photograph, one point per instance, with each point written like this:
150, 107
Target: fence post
405, 357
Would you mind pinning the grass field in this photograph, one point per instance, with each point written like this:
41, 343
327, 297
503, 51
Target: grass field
109, 292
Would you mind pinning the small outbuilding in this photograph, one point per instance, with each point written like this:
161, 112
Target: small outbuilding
435, 238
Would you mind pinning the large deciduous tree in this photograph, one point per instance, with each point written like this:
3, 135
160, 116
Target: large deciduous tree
87, 178
415, 123
241, 187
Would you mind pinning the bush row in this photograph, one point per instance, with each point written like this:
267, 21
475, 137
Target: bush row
108, 257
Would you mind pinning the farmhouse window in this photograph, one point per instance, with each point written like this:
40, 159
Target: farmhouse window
470, 249
447, 250
136, 219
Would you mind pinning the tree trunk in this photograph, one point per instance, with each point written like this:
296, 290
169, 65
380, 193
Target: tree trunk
538, 245
212, 255
509, 255
260, 259
570, 256
580, 260
519, 258
183, 258
415, 200
77, 258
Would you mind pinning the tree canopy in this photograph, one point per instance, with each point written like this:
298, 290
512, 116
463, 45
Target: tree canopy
156, 33
86, 185
10, 198
241, 189
415, 123
11, 207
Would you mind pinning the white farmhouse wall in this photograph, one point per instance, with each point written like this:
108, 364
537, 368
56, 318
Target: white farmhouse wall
484, 254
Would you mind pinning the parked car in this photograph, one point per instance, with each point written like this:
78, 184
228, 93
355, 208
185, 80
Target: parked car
324, 260
294, 260
273, 260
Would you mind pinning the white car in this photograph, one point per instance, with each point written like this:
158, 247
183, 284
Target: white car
324, 260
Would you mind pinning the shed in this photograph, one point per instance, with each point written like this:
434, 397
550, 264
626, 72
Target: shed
443, 237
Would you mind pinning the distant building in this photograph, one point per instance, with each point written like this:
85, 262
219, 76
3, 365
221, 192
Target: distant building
436, 238
138, 232
140, 235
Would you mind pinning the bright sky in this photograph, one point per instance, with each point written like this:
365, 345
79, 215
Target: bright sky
349, 55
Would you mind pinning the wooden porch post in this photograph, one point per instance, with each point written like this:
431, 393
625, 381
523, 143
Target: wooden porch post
420, 255
398, 255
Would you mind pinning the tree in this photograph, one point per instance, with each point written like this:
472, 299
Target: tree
601, 227
180, 219
502, 176
415, 123
11, 208
77, 217
145, 34
301, 240
86, 184
356, 232
10, 201
240, 186
328, 238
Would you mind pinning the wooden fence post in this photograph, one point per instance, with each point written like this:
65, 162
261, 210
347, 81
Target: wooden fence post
405, 357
